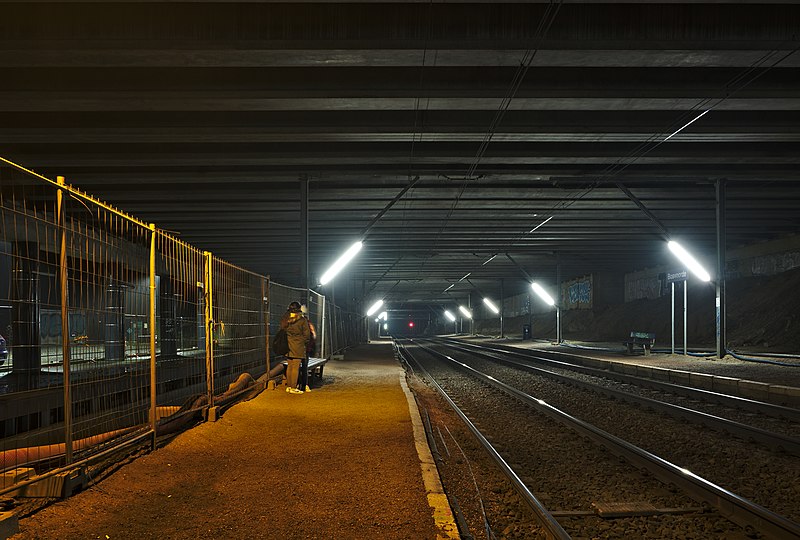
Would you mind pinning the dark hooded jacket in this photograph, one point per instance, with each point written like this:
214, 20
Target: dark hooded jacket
297, 332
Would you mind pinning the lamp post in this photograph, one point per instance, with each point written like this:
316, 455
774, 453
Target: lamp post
697, 269
465, 313
545, 296
452, 318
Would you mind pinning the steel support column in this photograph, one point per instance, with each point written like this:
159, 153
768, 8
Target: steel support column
472, 319
559, 301
721, 253
502, 311
304, 235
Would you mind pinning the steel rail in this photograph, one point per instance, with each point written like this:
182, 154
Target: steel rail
735, 508
775, 441
544, 517
746, 404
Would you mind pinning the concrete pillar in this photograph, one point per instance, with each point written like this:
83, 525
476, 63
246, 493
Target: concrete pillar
26, 338
168, 331
200, 319
114, 338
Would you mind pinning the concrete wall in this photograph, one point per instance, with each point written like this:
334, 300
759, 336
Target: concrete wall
764, 259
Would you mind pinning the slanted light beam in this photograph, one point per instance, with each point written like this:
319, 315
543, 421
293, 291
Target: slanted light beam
340, 263
542, 294
691, 263
375, 307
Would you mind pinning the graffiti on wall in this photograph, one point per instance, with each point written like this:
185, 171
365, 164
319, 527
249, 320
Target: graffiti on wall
577, 294
580, 293
769, 265
647, 287
50, 326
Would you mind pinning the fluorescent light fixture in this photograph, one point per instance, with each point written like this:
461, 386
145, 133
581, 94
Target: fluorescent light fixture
687, 124
465, 311
383, 316
540, 224
340, 263
465, 276
491, 306
375, 307
448, 288
542, 294
688, 260
450, 316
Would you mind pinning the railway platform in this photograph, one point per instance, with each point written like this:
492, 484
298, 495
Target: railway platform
347, 460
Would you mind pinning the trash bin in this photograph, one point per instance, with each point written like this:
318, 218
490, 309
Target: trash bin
526, 331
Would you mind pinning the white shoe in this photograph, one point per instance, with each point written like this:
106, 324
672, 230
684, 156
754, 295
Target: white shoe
308, 389
295, 391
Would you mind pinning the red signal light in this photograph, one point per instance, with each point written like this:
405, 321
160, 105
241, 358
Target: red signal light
411, 324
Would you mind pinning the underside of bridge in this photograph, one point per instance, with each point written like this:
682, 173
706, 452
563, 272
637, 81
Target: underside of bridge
575, 137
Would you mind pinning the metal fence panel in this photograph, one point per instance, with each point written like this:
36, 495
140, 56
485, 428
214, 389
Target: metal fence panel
237, 324
72, 273
131, 328
180, 327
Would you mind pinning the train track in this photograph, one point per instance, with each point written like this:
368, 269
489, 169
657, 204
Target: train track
771, 425
513, 413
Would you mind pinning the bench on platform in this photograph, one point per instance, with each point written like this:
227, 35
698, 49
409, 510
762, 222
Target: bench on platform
315, 367
645, 340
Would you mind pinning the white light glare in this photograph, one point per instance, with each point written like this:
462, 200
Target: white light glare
542, 294
385, 326
450, 316
340, 263
491, 306
383, 316
375, 307
687, 124
465, 311
688, 260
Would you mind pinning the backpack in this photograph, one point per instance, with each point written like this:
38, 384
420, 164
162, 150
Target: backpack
280, 343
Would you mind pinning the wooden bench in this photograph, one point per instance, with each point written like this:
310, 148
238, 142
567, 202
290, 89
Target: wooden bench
315, 367
645, 340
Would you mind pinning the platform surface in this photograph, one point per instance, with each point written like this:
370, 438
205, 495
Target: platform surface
338, 462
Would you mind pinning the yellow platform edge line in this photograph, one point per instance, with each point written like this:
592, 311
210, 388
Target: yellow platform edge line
442, 513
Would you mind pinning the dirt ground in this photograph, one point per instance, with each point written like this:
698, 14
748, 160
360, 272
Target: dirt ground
338, 462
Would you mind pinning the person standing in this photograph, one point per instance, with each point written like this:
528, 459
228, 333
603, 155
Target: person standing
298, 335
310, 348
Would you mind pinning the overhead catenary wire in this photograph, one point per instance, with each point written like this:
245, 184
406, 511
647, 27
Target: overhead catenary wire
735, 85
419, 122
549, 16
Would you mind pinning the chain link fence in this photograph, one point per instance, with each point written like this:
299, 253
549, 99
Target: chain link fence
115, 332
